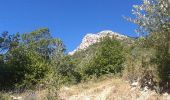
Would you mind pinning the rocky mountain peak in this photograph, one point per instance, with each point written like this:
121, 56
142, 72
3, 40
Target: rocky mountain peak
91, 38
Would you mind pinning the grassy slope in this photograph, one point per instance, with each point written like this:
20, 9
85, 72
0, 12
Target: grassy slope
103, 89
108, 89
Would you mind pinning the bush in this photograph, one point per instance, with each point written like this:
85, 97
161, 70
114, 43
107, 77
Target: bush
144, 63
65, 68
139, 67
25, 68
107, 58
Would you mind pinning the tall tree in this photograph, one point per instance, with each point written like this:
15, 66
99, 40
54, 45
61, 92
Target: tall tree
152, 16
25, 61
41, 41
7, 42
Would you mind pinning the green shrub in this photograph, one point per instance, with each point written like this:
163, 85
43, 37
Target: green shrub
107, 58
147, 64
139, 67
24, 69
65, 68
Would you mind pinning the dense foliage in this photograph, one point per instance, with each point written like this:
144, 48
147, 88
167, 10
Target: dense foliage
105, 57
26, 59
153, 19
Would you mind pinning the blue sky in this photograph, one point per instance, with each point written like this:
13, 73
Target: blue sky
68, 20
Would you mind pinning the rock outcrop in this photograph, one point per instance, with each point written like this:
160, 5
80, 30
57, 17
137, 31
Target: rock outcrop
91, 38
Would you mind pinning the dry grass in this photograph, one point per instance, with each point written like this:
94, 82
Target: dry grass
92, 89
108, 89
29, 95
103, 89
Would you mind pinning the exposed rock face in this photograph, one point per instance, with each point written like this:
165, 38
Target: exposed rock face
91, 38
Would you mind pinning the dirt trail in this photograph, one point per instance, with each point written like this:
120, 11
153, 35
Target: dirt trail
98, 93
112, 89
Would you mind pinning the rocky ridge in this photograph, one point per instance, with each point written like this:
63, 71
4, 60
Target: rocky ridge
91, 38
